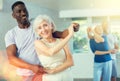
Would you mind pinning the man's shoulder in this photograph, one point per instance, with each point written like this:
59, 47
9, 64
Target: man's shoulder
9, 32
112, 36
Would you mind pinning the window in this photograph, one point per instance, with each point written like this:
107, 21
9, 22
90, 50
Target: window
80, 40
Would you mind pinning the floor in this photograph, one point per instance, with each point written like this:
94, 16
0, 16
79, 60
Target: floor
118, 79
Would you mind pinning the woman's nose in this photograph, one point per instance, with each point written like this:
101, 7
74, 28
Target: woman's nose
43, 29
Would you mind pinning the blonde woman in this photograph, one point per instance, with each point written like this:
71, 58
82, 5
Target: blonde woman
53, 53
102, 59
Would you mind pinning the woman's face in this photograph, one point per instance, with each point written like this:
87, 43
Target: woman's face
44, 29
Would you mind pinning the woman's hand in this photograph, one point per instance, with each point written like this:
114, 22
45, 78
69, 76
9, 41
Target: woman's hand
76, 27
71, 29
49, 71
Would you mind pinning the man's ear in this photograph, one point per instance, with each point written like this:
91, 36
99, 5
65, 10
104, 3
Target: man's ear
13, 15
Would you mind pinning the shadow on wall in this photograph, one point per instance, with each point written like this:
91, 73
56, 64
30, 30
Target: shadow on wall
7, 71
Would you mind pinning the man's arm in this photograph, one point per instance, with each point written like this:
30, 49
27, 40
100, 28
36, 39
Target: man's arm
14, 60
60, 34
116, 45
63, 34
116, 48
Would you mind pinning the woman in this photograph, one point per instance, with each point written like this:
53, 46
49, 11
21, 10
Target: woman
102, 59
53, 53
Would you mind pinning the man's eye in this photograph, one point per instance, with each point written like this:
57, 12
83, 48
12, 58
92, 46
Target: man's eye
18, 11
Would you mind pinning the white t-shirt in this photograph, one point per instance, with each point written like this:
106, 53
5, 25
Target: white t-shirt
24, 41
112, 40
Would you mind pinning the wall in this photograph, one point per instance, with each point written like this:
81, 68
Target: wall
83, 65
6, 22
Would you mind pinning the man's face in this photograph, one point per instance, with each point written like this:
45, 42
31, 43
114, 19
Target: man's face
20, 13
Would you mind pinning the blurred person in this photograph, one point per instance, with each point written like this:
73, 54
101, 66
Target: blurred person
53, 53
20, 44
113, 44
102, 58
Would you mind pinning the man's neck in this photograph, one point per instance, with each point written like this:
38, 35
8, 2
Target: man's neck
22, 26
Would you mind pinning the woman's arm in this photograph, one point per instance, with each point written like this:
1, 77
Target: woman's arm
68, 62
42, 48
102, 52
95, 51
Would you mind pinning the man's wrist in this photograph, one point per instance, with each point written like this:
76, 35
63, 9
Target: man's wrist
30, 67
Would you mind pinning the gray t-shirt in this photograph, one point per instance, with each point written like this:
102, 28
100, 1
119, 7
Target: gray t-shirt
112, 40
24, 41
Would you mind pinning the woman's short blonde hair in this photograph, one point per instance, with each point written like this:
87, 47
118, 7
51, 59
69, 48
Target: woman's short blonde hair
41, 18
98, 28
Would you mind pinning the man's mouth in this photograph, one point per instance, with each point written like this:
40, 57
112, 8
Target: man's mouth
24, 17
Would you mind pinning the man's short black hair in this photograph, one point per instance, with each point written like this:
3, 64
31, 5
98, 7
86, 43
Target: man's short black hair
17, 3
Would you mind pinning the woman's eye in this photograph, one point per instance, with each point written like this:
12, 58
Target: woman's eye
45, 25
39, 27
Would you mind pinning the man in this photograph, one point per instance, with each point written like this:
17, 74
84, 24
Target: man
113, 44
19, 44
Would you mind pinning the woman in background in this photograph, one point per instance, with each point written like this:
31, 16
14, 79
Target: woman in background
102, 59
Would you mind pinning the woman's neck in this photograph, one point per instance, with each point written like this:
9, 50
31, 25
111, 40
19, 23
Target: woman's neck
50, 39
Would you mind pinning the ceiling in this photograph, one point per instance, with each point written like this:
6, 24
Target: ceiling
78, 4
73, 4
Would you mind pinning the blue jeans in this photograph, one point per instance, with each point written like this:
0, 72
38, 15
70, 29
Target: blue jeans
114, 68
103, 69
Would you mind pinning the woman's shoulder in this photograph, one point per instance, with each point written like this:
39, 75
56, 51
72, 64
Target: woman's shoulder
38, 41
92, 40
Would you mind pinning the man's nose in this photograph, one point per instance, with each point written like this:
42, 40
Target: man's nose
23, 12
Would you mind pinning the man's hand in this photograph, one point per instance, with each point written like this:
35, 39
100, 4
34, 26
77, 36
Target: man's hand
76, 27
37, 69
114, 51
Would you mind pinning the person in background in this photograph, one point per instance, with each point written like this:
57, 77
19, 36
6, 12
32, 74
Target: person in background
113, 44
102, 58
53, 53
20, 44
